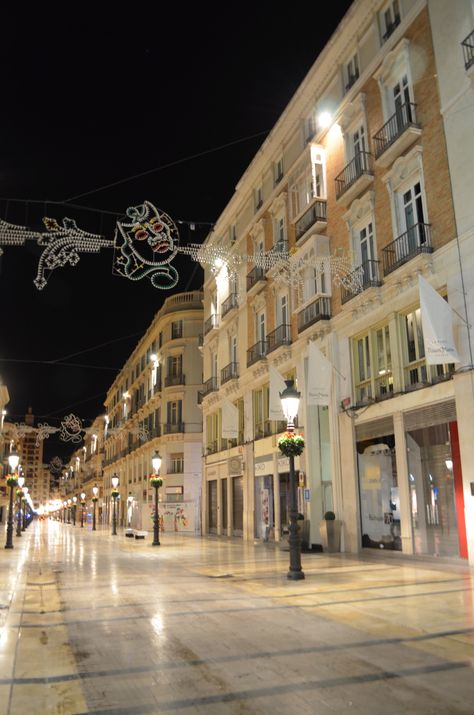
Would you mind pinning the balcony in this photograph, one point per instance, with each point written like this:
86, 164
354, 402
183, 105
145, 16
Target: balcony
351, 80
172, 380
396, 135
354, 178
211, 323
255, 276
315, 218
369, 276
411, 243
319, 309
209, 386
256, 352
468, 51
390, 28
229, 304
173, 427
229, 372
278, 337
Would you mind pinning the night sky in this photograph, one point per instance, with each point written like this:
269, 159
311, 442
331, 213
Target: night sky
90, 100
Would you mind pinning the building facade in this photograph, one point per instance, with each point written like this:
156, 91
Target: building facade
362, 186
153, 405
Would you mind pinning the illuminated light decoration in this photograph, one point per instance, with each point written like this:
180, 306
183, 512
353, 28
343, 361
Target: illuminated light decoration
43, 431
149, 242
63, 245
71, 429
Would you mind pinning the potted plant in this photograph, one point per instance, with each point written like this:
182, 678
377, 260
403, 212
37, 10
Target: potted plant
330, 531
291, 444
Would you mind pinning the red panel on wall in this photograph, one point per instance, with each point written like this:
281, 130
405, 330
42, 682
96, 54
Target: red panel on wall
458, 488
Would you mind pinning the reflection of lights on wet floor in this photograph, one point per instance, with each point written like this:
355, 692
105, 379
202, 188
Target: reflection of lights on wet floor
3, 638
157, 624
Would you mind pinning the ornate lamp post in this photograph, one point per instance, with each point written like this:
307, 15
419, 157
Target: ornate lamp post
83, 504
95, 491
156, 482
74, 502
290, 446
13, 459
115, 493
129, 510
69, 502
19, 494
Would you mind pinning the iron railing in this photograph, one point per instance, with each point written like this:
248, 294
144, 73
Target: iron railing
403, 118
315, 214
229, 372
367, 275
391, 27
361, 164
279, 336
229, 303
255, 275
468, 50
210, 323
175, 380
209, 386
319, 309
256, 352
173, 427
414, 241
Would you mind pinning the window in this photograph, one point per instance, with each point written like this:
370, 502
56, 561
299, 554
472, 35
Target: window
308, 182
233, 349
351, 72
279, 233
416, 370
283, 313
160, 339
258, 198
212, 433
233, 233
177, 329
173, 412
278, 170
309, 127
260, 327
260, 411
389, 19
175, 365
176, 463
372, 357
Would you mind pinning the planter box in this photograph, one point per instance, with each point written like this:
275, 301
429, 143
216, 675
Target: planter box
331, 535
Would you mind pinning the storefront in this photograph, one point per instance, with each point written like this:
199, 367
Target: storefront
410, 483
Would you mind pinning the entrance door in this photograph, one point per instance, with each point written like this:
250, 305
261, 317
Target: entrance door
212, 506
237, 506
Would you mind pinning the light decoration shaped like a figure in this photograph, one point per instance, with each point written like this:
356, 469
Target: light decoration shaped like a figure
146, 245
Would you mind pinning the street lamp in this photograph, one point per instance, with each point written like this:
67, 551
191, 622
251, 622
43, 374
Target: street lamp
74, 502
156, 482
83, 504
115, 493
19, 493
13, 459
95, 491
290, 400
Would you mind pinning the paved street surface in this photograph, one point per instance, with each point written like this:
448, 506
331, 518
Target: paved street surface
91, 623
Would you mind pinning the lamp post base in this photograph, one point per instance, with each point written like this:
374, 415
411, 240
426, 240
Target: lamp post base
295, 575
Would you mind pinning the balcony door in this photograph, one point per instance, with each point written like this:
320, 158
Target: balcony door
413, 216
367, 253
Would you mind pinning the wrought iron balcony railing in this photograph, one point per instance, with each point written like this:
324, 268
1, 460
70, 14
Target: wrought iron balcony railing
255, 275
279, 336
229, 372
210, 323
369, 277
173, 427
361, 164
468, 50
229, 303
175, 380
319, 309
414, 241
391, 27
256, 352
403, 118
315, 214
209, 386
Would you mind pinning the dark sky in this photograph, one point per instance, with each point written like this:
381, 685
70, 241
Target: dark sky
90, 99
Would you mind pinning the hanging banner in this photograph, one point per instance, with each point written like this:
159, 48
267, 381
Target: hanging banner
319, 377
230, 420
277, 385
437, 322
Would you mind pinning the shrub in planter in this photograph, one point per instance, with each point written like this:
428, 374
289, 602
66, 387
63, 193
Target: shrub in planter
330, 531
291, 444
